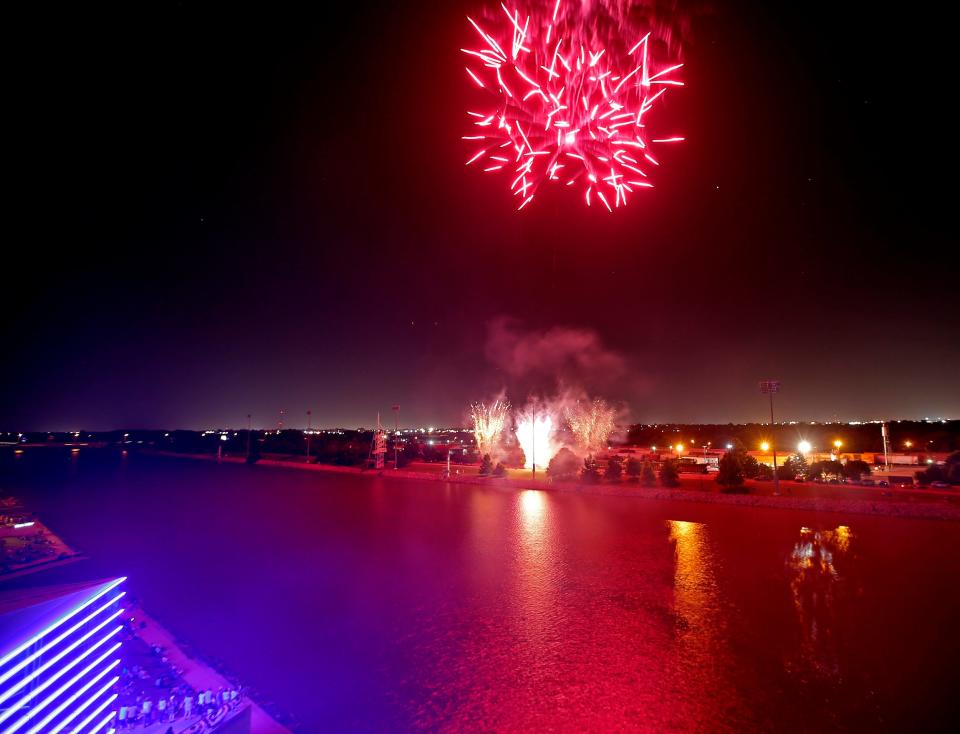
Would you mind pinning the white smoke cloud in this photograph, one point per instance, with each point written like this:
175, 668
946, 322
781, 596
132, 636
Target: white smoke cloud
560, 353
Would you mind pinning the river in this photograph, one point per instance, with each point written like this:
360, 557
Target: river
360, 603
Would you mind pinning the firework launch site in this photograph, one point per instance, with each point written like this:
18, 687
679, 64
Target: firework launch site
578, 446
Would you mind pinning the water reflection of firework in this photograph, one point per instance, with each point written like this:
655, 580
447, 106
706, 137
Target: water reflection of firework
535, 431
488, 423
591, 424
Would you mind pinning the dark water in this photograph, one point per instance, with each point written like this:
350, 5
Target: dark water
359, 603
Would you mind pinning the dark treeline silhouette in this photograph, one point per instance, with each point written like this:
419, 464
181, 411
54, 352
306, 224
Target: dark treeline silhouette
922, 436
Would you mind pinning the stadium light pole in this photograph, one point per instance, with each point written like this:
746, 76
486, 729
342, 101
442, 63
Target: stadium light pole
769, 387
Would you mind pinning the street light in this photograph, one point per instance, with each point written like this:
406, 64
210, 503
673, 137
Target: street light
764, 446
804, 447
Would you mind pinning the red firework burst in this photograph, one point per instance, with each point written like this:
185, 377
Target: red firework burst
573, 85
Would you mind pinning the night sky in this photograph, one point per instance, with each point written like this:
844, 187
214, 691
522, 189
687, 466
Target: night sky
227, 210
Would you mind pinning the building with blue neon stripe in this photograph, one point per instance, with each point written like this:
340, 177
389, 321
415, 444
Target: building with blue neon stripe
59, 658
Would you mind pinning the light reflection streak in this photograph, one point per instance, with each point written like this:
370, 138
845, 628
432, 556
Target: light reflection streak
694, 583
700, 622
536, 592
815, 584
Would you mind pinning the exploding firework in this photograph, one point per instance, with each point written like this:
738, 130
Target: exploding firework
570, 86
591, 424
535, 435
488, 423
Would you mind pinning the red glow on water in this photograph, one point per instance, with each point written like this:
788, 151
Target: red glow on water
569, 90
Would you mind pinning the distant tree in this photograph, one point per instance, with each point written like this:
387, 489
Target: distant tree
486, 466
614, 470
590, 474
952, 466
669, 473
793, 467
819, 469
949, 471
763, 471
798, 462
731, 470
633, 468
648, 476
749, 465
563, 467
855, 468
500, 470
932, 473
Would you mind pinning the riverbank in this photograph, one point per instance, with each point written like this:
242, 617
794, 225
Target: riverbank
916, 504
27, 545
195, 673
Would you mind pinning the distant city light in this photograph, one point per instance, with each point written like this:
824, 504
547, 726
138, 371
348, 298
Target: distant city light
838, 443
729, 446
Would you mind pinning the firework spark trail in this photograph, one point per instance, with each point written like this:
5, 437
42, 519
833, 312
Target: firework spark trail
488, 424
573, 83
591, 424
535, 434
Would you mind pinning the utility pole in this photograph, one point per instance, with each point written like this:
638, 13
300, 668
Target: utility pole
396, 433
309, 418
885, 432
379, 445
769, 387
248, 436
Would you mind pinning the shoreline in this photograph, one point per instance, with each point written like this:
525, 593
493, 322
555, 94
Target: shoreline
928, 508
196, 673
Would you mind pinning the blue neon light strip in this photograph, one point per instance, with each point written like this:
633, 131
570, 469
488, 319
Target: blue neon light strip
95, 713
60, 709
20, 704
72, 613
103, 723
53, 697
80, 709
87, 636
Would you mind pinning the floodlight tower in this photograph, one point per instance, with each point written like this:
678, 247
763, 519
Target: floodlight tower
769, 387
